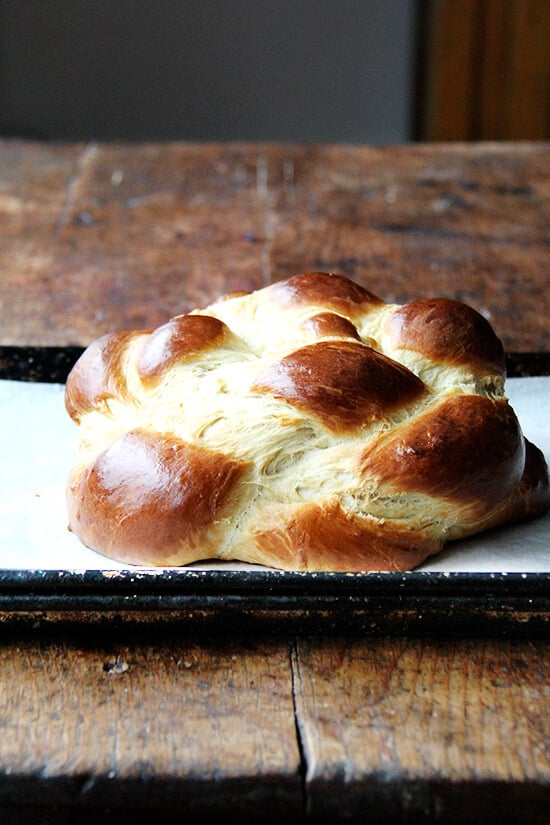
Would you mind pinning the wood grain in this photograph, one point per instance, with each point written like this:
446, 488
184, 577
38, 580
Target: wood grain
107, 237
98, 237
411, 728
193, 726
408, 730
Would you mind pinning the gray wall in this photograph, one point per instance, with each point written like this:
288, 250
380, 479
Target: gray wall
311, 70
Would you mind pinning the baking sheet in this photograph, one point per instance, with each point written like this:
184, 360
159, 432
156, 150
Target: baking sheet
38, 443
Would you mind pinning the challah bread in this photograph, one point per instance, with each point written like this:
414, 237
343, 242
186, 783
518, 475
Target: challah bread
306, 426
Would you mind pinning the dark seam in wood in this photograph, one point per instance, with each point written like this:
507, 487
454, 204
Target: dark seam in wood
296, 677
262, 192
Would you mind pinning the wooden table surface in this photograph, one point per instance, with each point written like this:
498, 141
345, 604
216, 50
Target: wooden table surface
133, 722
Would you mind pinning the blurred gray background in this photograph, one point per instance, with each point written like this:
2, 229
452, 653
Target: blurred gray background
282, 70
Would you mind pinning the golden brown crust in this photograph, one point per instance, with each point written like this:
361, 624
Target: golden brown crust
325, 537
150, 494
446, 331
533, 491
308, 425
330, 325
469, 448
323, 289
98, 375
343, 384
176, 341
529, 497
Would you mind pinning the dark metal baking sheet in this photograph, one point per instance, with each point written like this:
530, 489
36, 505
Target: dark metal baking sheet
258, 599
389, 603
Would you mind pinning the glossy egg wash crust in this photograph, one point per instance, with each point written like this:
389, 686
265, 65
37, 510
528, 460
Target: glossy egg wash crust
309, 425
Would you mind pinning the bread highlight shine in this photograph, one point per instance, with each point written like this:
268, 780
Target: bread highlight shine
306, 426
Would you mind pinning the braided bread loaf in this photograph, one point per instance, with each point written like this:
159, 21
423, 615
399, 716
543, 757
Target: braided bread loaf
305, 426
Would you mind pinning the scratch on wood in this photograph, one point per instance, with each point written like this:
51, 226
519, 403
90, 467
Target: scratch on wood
288, 177
262, 178
82, 164
262, 191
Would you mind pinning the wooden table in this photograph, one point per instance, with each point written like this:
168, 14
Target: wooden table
139, 721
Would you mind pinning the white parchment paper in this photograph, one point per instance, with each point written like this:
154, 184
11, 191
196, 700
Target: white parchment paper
38, 444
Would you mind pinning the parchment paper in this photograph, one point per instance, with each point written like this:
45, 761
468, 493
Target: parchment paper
38, 444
